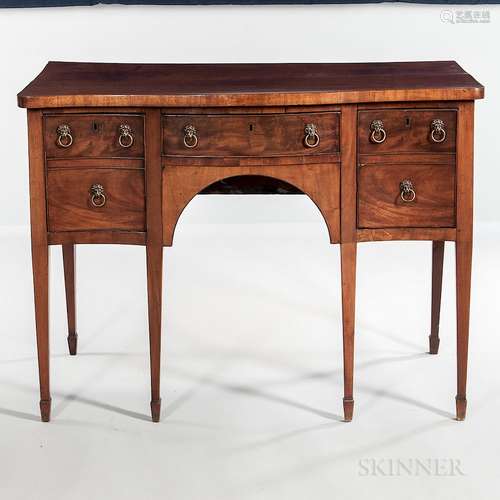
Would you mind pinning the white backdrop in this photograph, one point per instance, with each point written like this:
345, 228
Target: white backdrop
387, 32
252, 344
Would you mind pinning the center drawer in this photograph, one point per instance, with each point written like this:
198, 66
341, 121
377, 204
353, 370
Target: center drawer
251, 135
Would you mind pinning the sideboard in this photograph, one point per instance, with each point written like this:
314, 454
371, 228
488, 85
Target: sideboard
117, 151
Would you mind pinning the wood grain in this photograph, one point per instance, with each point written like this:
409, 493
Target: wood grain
463, 245
320, 182
250, 134
255, 110
251, 161
408, 233
437, 284
407, 158
39, 256
379, 196
163, 85
97, 237
154, 253
417, 105
77, 163
408, 131
348, 247
94, 135
68, 252
70, 208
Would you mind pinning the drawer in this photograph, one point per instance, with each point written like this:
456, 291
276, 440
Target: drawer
407, 131
95, 199
428, 192
251, 135
94, 135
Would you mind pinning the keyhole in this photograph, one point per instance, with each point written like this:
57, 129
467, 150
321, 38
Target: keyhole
95, 126
251, 127
408, 122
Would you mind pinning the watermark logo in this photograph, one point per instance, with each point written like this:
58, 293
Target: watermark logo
410, 467
465, 16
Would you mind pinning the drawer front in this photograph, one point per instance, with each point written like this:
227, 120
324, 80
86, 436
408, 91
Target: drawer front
251, 135
407, 131
93, 199
392, 195
94, 135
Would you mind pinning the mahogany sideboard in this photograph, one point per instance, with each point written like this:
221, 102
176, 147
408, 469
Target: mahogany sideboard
117, 151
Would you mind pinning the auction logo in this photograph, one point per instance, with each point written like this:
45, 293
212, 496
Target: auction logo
465, 16
416, 467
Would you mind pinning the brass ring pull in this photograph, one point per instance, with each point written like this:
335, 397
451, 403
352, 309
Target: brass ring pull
378, 135
438, 133
407, 191
311, 139
126, 139
97, 195
64, 137
190, 137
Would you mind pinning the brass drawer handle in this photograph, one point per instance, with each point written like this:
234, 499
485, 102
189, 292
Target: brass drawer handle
407, 191
126, 139
378, 135
190, 137
97, 195
438, 133
64, 137
311, 139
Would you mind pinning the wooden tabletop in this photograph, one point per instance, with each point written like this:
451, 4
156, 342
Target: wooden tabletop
65, 84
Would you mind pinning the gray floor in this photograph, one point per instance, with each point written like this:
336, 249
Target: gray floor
251, 375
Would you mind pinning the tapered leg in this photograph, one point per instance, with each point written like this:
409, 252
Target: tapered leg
348, 269
69, 281
463, 244
348, 242
40, 255
40, 260
154, 250
437, 282
154, 271
463, 265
